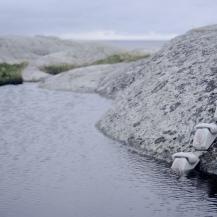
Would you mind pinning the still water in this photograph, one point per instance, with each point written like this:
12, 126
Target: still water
54, 163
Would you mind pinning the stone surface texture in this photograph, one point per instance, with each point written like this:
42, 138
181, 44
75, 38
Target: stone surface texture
158, 101
96, 78
33, 74
173, 91
85, 79
119, 77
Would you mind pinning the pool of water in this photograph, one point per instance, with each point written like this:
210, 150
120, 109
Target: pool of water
54, 163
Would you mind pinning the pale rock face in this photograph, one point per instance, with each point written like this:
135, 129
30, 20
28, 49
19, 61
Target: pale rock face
96, 78
119, 77
33, 74
84, 79
174, 91
78, 54
42, 50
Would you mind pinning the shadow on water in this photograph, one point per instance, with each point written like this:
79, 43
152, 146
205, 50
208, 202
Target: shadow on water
205, 182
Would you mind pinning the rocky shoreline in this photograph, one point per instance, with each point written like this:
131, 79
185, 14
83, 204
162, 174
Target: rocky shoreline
158, 101
175, 90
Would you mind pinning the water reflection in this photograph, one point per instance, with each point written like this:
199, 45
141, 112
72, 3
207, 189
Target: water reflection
55, 163
207, 183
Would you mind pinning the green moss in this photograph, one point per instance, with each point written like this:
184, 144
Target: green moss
56, 69
11, 73
123, 57
116, 58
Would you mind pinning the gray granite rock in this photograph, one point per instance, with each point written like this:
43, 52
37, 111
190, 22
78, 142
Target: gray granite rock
96, 78
119, 77
85, 79
33, 74
172, 92
42, 50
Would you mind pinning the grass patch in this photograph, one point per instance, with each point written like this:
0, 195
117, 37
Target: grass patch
56, 69
115, 58
123, 57
11, 73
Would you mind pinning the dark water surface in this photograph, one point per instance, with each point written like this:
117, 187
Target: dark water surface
54, 163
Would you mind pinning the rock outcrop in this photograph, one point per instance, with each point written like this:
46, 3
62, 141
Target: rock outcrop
85, 79
118, 78
172, 92
96, 78
40, 51
51, 50
33, 74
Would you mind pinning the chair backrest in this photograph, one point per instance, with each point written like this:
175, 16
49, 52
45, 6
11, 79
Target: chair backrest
203, 139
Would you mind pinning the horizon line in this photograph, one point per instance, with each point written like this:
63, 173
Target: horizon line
101, 36
112, 35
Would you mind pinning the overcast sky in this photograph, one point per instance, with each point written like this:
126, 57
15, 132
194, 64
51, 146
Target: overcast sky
105, 18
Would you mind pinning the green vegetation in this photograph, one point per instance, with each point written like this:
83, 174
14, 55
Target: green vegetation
115, 58
123, 57
56, 69
11, 73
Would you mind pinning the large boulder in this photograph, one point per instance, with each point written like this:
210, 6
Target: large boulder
85, 79
118, 78
33, 74
174, 90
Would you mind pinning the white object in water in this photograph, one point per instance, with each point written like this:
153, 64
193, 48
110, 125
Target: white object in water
184, 162
204, 136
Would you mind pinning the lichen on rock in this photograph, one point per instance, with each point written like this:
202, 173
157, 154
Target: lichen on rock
174, 90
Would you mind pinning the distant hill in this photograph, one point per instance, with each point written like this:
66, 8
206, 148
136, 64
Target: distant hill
47, 50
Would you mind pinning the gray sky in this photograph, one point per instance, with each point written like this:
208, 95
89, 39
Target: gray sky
105, 18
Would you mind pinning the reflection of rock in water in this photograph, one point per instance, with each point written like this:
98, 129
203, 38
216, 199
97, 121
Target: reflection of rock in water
206, 183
